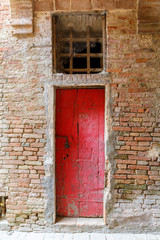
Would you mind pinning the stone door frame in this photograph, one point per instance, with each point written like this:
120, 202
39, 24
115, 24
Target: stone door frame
73, 81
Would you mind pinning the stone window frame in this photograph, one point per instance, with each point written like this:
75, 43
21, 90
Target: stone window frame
75, 81
102, 13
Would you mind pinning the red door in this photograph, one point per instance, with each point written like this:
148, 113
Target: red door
80, 152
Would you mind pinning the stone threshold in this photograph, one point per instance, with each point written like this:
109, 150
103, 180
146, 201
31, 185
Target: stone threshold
4, 225
69, 221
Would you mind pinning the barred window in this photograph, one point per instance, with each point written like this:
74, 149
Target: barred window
79, 43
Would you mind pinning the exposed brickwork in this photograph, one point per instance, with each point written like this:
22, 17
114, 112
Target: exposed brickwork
43, 6
132, 61
133, 64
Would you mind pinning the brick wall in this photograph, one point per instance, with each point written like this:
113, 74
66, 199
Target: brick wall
132, 61
133, 64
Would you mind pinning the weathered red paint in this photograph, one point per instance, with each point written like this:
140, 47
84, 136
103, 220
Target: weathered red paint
80, 166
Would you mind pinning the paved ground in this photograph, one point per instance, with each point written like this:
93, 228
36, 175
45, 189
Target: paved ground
77, 236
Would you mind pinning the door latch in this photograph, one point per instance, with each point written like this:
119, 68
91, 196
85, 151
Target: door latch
66, 142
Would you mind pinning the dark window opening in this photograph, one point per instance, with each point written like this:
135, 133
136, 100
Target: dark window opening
79, 47
95, 63
79, 63
78, 43
3, 207
95, 47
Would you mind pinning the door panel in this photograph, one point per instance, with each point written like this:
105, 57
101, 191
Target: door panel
66, 158
80, 152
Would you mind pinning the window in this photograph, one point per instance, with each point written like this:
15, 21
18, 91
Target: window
78, 43
2, 207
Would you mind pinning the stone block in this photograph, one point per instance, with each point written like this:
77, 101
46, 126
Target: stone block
62, 5
81, 5
104, 4
129, 4
43, 6
149, 16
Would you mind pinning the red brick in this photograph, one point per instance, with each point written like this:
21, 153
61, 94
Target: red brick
27, 153
138, 167
120, 176
15, 153
143, 177
18, 130
83, 5
144, 143
37, 145
142, 60
32, 158
104, 5
139, 148
153, 173
139, 158
62, 5
125, 148
31, 149
140, 182
121, 166
14, 144
44, 6
133, 143
126, 161
31, 140
122, 129
127, 152
140, 129
124, 171
143, 139
128, 138
156, 178
129, 4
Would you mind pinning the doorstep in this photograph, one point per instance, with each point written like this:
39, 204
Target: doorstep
73, 225
80, 221
4, 225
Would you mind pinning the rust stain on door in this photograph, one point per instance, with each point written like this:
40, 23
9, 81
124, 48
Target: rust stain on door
80, 152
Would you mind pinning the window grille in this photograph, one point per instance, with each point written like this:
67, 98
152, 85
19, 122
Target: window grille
79, 43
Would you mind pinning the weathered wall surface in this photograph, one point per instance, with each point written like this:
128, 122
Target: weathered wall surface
133, 63
25, 64
149, 16
133, 60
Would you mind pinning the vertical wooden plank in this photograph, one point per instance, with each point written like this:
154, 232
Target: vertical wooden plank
101, 149
67, 180
91, 195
